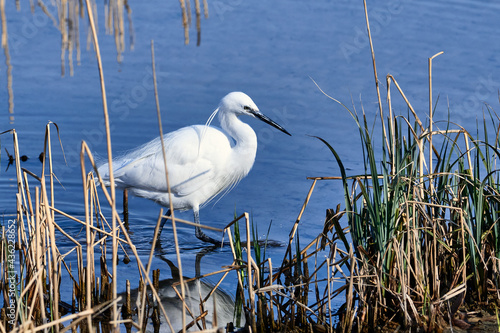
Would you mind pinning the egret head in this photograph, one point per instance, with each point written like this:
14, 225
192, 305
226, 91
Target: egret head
238, 103
241, 104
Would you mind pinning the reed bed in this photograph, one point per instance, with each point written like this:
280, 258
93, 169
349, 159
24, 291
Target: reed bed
423, 219
421, 244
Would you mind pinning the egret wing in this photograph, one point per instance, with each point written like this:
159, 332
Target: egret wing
189, 168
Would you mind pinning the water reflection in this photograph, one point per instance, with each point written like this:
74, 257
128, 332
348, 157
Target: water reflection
200, 309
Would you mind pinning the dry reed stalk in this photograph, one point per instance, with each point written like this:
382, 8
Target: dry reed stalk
39, 255
391, 122
297, 221
430, 177
48, 153
174, 227
54, 267
110, 163
376, 78
30, 215
92, 227
22, 199
90, 257
390, 79
431, 121
398, 249
214, 289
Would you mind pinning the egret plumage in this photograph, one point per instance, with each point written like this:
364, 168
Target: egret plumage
202, 160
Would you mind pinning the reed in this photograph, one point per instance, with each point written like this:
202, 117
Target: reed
422, 219
422, 239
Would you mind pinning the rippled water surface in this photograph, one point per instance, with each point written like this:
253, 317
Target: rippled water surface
270, 50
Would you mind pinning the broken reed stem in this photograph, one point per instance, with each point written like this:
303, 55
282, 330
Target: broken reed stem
391, 78
431, 169
49, 148
90, 261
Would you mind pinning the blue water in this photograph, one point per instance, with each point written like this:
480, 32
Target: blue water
270, 50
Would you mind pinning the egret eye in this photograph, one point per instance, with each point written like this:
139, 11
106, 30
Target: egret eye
247, 108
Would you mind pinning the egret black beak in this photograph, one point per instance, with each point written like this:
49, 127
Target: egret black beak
268, 120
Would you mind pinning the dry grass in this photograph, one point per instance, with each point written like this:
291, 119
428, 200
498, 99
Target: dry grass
424, 242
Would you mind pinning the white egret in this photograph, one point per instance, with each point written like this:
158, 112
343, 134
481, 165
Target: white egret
202, 160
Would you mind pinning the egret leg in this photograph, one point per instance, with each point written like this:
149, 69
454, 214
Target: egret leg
200, 234
125, 206
163, 221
